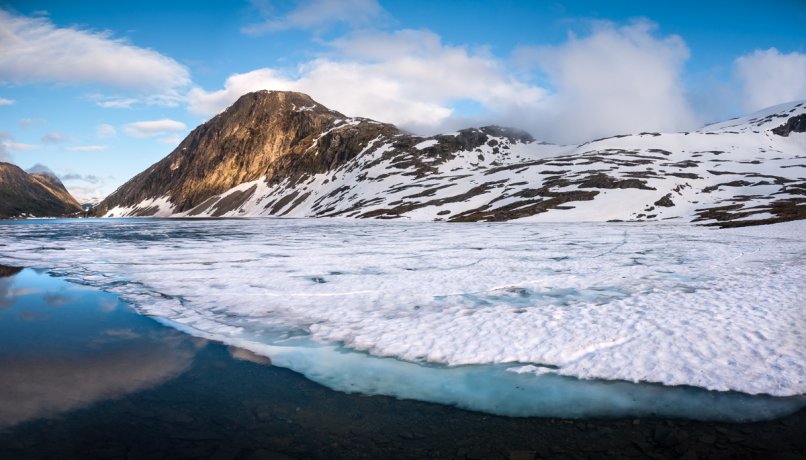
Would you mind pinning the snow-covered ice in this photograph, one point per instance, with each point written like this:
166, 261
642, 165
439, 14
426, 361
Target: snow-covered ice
459, 313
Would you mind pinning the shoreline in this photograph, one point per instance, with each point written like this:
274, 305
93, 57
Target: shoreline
232, 404
195, 416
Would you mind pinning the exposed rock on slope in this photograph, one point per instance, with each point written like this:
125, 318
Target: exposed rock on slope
793, 125
38, 194
283, 154
262, 135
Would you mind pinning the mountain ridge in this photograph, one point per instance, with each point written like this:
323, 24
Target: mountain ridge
283, 154
38, 194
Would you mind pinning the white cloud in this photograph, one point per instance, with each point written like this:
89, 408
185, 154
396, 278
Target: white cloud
610, 81
87, 148
7, 144
86, 188
117, 103
615, 80
165, 99
105, 131
769, 77
87, 193
54, 137
18, 146
33, 50
154, 128
317, 14
4, 101
409, 78
26, 122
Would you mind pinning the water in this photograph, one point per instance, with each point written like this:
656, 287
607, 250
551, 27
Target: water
65, 346
84, 376
519, 320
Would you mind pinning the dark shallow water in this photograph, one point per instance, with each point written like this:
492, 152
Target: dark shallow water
83, 376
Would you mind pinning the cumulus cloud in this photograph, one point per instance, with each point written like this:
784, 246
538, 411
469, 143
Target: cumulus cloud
105, 131
87, 148
408, 77
769, 77
34, 50
154, 127
4, 101
614, 80
316, 14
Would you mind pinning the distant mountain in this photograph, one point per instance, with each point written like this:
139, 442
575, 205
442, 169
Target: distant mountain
283, 154
38, 194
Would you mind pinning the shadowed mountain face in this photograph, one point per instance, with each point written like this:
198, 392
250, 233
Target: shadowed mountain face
283, 154
39, 194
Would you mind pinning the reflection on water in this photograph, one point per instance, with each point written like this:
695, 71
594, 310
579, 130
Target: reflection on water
64, 347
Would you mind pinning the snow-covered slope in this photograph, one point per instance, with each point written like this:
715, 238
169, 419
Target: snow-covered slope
744, 171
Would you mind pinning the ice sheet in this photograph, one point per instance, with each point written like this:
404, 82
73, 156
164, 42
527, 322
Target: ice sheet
671, 304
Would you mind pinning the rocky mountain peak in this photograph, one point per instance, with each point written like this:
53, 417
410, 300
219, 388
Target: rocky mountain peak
260, 134
278, 103
41, 170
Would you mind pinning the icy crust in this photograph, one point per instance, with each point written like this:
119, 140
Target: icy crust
672, 304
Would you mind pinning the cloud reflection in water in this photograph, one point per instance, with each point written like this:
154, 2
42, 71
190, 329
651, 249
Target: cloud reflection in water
58, 363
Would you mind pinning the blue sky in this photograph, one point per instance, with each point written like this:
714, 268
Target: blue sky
98, 91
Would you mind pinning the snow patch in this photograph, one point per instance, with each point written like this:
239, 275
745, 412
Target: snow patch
426, 143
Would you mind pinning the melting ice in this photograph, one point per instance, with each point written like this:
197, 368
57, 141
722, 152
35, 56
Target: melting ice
513, 319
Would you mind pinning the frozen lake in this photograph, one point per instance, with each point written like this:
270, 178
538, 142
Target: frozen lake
511, 319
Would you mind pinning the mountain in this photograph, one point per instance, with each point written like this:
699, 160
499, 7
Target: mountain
283, 154
39, 194
48, 179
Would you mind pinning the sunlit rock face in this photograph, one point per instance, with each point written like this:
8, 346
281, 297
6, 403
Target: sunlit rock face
283, 154
264, 135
